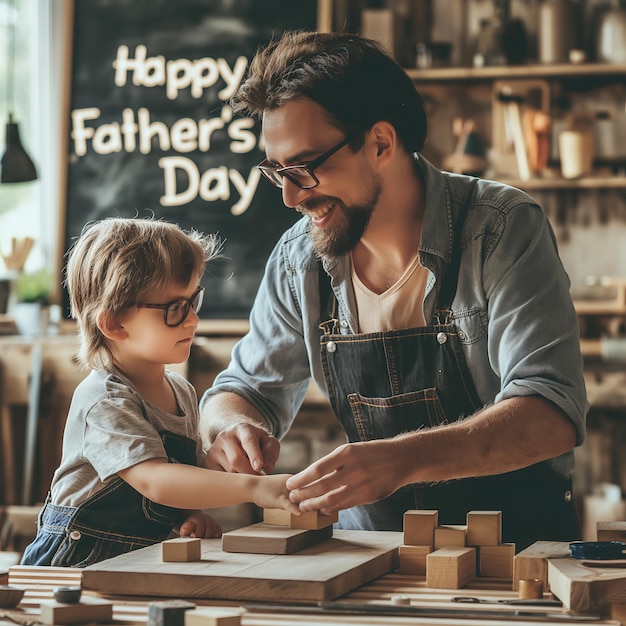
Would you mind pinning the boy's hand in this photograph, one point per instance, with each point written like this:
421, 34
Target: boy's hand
271, 493
200, 525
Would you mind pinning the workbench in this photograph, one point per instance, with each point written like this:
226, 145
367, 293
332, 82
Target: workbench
41, 581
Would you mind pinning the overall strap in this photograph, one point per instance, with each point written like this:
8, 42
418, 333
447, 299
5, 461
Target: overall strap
328, 303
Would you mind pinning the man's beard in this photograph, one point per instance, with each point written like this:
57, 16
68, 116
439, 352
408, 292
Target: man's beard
350, 223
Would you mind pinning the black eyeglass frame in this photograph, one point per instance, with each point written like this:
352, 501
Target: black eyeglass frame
269, 170
186, 303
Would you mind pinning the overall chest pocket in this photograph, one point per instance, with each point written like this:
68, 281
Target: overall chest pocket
380, 418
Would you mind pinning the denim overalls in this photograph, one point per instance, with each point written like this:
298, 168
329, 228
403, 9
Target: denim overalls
386, 383
116, 520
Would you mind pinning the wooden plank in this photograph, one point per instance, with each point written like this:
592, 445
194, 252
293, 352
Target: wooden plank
88, 610
322, 572
265, 538
586, 589
533, 561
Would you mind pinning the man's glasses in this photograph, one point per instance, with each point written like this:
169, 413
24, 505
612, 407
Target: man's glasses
176, 312
302, 175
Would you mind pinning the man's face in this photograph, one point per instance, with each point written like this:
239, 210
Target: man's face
340, 207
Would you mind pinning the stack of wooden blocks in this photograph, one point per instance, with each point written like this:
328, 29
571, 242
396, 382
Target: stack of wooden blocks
280, 532
451, 556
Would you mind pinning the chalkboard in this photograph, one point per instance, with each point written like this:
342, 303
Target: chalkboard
150, 132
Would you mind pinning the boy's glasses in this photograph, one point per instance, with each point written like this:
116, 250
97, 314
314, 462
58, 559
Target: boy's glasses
302, 175
176, 312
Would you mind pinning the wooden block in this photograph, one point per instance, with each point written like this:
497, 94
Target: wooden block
419, 527
265, 538
214, 616
618, 613
496, 561
168, 612
450, 536
413, 559
533, 561
182, 549
611, 531
484, 528
583, 589
450, 568
312, 520
87, 610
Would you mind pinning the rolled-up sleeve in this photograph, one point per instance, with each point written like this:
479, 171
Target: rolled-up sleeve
534, 344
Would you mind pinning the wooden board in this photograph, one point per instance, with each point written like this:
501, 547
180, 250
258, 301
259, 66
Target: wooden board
322, 572
585, 589
264, 538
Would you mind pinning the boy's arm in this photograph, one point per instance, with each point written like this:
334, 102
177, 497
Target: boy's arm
188, 487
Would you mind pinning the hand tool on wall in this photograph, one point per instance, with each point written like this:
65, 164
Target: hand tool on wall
536, 126
513, 123
20, 249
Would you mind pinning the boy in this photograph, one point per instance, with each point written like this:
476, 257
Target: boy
131, 451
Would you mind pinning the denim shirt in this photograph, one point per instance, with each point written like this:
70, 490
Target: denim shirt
516, 320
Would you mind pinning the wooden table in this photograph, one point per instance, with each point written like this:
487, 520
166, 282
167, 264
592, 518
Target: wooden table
41, 581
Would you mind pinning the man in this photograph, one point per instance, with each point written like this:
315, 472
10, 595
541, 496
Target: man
431, 308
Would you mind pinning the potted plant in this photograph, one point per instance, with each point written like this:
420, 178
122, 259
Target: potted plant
32, 292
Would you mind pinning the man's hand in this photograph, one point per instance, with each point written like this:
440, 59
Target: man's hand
352, 475
200, 525
244, 449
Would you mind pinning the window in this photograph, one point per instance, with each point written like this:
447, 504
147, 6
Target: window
30, 209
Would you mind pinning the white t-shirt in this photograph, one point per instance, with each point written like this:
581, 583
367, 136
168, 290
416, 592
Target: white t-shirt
111, 427
397, 308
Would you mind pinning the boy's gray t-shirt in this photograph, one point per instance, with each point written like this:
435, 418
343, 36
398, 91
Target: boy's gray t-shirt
111, 427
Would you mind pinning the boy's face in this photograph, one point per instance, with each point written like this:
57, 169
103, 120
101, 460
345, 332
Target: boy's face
147, 339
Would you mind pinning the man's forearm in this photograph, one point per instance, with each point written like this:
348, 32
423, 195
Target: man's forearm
503, 437
224, 410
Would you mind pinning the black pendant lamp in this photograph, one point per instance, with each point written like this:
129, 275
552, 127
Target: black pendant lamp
16, 166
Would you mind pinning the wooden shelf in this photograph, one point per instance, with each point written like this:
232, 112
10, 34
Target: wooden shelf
590, 182
220, 328
599, 307
460, 74
612, 306
209, 327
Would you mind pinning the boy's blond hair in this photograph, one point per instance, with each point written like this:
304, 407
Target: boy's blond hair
118, 262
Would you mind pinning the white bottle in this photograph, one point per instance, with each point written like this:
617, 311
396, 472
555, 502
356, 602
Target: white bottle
611, 35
